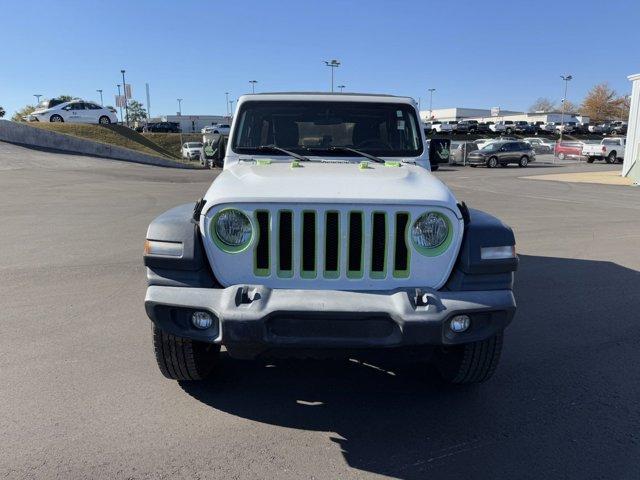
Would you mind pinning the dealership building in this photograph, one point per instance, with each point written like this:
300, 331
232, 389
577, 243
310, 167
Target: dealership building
496, 114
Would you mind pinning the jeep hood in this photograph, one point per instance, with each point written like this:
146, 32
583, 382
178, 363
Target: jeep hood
328, 182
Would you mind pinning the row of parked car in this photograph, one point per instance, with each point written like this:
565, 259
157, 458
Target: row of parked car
610, 149
509, 127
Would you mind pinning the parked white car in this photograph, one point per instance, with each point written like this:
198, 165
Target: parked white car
192, 150
222, 129
328, 232
541, 145
609, 149
75, 111
481, 142
506, 126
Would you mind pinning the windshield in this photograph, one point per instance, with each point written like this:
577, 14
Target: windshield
194, 145
490, 147
382, 129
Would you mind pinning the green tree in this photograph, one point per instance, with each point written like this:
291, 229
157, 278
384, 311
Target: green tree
2, 112
24, 111
137, 112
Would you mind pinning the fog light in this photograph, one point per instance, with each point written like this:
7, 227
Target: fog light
459, 323
201, 320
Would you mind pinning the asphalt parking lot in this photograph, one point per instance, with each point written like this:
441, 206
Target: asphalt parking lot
82, 397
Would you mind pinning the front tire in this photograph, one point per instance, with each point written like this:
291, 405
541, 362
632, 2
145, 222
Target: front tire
182, 358
492, 162
470, 363
104, 120
56, 119
561, 156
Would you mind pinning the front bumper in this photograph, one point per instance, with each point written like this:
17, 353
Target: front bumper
476, 160
252, 318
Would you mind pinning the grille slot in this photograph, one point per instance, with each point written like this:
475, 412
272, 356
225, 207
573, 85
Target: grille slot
354, 269
401, 253
378, 245
308, 244
285, 249
262, 248
332, 245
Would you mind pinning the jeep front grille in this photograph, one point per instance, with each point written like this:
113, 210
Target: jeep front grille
331, 244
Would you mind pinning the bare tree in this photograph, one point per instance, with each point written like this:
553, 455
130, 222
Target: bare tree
542, 104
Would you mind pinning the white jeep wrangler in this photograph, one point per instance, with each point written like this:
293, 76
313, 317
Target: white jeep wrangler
326, 233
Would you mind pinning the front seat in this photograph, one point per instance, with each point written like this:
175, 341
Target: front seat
286, 133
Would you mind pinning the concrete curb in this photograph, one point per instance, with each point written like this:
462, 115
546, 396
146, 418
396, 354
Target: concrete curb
22, 134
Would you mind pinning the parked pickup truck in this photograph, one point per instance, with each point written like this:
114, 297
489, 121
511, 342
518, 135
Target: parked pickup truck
311, 243
439, 127
610, 149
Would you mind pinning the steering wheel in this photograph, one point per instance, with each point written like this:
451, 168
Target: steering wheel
374, 143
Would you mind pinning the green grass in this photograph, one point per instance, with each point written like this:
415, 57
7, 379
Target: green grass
165, 145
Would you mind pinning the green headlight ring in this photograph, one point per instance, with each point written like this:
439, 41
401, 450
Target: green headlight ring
223, 246
440, 249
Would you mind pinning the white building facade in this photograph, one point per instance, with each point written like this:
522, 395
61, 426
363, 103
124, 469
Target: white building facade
631, 165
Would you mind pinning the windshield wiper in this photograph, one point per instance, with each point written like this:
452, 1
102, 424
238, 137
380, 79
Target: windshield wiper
357, 152
275, 148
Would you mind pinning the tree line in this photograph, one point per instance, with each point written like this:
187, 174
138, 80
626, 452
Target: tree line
601, 104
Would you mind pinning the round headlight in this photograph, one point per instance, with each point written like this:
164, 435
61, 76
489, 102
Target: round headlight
430, 230
233, 228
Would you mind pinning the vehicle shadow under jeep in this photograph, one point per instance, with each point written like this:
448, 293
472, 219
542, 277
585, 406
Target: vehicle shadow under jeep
563, 403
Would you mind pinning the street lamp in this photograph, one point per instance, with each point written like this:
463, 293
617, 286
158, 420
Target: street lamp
253, 85
231, 107
126, 104
180, 119
226, 94
566, 79
37, 95
100, 92
341, 87
431, 90
119, 95
333, 64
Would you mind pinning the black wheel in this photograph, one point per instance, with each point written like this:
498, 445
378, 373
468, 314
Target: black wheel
612, 157
104, 120
470, 363
590, 159
524, 161
508, 131
56, 118
183, 359
561, 156
492, 162
434, 167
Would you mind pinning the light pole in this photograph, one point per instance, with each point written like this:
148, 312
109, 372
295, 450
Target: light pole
253, 85
100, 92
231, 107
333, 64
126, 104
121, 119
566, 79
226, 94
37, 95
180, 115
341, 87
431, 90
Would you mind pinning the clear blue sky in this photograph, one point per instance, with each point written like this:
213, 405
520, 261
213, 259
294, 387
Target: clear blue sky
475, 53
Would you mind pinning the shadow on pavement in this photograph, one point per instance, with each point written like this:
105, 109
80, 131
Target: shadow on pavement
563, 404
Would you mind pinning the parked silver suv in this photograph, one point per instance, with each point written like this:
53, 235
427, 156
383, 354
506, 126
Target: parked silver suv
503, 153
